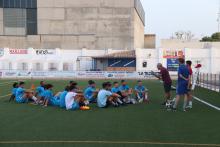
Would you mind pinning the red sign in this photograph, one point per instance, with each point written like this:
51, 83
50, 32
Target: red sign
18, 51
170, 54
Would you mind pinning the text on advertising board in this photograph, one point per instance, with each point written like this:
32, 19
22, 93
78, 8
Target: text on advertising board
18, 51
45, 52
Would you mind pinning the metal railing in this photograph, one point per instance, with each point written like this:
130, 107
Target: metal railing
209, 81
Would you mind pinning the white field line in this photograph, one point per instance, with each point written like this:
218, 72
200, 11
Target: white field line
4, 96
204, 102
111, 142
6, 83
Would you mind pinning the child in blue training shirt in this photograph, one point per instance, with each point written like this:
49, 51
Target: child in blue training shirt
141, 92
13, 92
91, 93
48, 94
62, 97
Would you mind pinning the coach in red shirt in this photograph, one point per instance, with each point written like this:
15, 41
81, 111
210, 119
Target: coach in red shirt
167, 82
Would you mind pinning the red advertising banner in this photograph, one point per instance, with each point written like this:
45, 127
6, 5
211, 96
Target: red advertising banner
18, 51
173, 54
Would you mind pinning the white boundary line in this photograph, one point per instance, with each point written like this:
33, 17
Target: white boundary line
111, 142
206, 103
1, 97
5, 83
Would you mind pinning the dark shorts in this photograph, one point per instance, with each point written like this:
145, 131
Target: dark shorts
167, 87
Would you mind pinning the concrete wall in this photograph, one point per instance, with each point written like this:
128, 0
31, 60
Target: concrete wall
1, 21
74, 24
174, 43
149, 41
146, 55
138, 31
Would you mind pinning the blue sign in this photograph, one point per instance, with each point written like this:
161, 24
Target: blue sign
172, 64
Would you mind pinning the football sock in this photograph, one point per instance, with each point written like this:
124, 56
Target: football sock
190, 103
119, 101
34, 98
184, 104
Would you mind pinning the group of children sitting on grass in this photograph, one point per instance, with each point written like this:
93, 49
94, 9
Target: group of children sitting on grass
73, 98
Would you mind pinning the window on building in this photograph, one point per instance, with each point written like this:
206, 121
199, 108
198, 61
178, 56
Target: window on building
10, 66
67, 67
24, 66
53, 67
18, 3
38, 67
14, 21
31, 24
19, 17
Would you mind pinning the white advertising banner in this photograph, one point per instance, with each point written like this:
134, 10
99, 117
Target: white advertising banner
77, 74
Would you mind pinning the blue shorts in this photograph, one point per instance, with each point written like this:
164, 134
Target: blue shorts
21, 100
54, 102
182, 88
75, 106
91, 99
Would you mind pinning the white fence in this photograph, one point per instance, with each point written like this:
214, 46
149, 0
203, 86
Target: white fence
77, 74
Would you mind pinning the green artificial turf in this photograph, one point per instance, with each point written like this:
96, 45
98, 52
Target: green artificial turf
133, 123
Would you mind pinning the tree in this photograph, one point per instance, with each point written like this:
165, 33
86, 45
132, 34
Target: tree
214, 38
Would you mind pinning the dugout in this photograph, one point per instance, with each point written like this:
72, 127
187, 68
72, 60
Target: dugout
120, 61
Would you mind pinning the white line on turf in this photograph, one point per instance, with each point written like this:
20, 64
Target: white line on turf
110, 142
4, 96
2, 83
206, 103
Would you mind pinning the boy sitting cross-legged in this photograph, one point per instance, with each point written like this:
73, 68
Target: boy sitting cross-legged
73, 99
141, 92
13, 92
106, 97
62, 97
126, 93
39, 93
22, 95
91, 93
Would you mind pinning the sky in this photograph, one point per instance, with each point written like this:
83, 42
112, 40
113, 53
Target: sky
165, 17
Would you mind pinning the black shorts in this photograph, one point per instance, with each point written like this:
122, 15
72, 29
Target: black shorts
167, 87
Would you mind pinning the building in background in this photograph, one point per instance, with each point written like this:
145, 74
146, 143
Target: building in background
205, 53
72, 24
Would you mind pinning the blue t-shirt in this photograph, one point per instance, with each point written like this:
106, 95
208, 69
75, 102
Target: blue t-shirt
62, 99
48, 94
19, 92
88, 93
103, 97
140, 89
14, 91
40, 91
115, 90
124, 88
183, 70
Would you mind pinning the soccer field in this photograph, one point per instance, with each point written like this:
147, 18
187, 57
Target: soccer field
141, 125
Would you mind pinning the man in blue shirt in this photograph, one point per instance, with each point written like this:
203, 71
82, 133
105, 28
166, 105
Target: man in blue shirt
182, 84
91, 93
141, 92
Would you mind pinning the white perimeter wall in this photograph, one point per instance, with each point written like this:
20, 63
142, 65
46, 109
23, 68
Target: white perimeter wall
209, 58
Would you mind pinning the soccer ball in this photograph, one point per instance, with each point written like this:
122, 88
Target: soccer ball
169, 104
